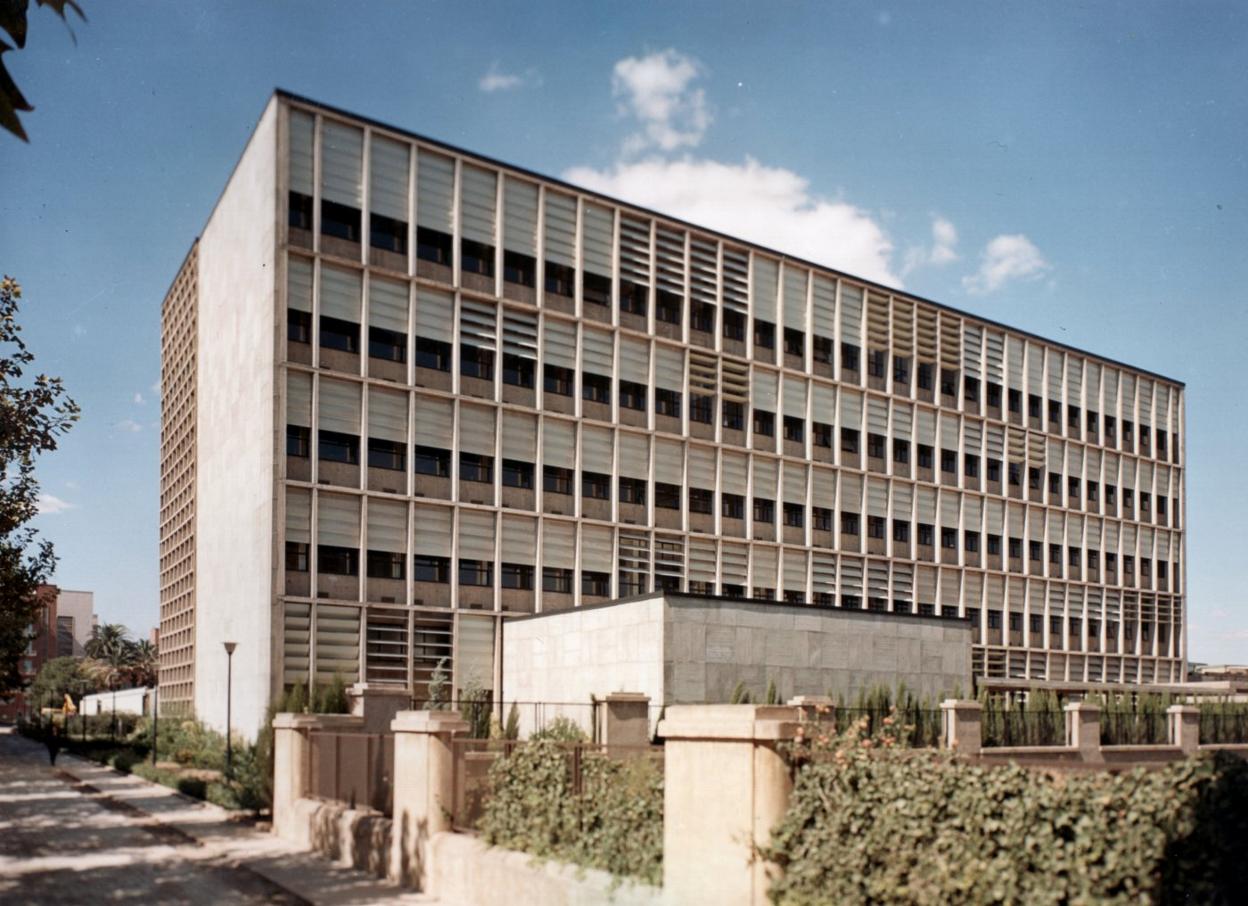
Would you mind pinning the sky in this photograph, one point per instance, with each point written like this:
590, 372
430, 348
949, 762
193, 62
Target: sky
1078, 171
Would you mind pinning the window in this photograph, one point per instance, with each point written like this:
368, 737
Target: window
1092, 421
337, 561
475, 362
296, 557
1161, 507
387, 454
520, 269
1055, 413
1035, 550
556, 581
731, 590
335, 447
338, 334
702, 317
1016, 475
1094, 558
595, 486
764, 510
1072, 557
901, 451
734, 415
701, 408
949, 539
634, 298
970, 466
340, 220
849, 523
1093, 491
560, 279
1145, 444
948, 382
849, 440
901, 370
994, 619
517, 576
821, 516
433, 354
875, 527
764, 423
970, 389
433, 245
298, 326
633, 490
476, 258
431, 461
476, 467
518, 370
667, 402
1016, 548
821, 349
994, 470
994, 545
876, 363
849, 356
794, 343
557, 379
901, 531
734, 325
1146, 567
764, 334
1072, 490
669, 308
925, 456
925, 376
875, 446
1145, 502
556, 480
632, 584
731, 505
666, 496
1033, 406
1111, 495
385, 344
385, 565
1055, 483
795, 515
822, 434
595, 289
1055, 626
1128, 500
300, 211
633, 396
1036, 623
476, 573
994, 395
1055, 554
1110, 425
926, 535
596, 585
1072, 417
1033, 479
596, 388
794, 429
1163, 569
1161, 445
949, 461
298, 440
1015, 399
517, 474
700, 500
1111, 562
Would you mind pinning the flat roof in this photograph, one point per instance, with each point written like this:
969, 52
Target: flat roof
454, 149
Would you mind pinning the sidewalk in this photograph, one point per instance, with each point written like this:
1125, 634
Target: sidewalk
188, 831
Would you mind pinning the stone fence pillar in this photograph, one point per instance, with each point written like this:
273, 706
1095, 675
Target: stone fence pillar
1184, 727
1083, 730
293, 767
963, 726
725, 787
424, 783
624, 720
377, 705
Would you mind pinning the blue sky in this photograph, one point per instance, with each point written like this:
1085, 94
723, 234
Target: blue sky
1076, 171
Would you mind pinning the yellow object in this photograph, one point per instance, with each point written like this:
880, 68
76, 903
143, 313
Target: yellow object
69, 707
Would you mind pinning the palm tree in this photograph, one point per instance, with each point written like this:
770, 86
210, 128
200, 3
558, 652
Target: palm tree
108, 659
108, 642
143, 663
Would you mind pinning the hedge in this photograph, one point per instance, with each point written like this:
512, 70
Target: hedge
871, 823
615, 823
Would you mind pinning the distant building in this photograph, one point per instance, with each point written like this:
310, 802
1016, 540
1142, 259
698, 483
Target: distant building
75, 622
42, 648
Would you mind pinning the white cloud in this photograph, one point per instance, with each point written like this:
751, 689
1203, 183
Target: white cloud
942, 250
497, 80
138, 399
656, 90
129, 424
769, 205
1005, 258
50, 505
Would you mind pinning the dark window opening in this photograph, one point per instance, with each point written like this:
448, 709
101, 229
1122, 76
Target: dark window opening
734, 325
596, 388
338, 334
337, 561
517, 576
731, 505
556, 480
849, 440
519, 269
387, 234
875, 527
296, 557
794, 343
734, 415
702, 317
666, 496
475, 362
557, 379
822, 434
669, 308
518, 474
340, 221
633, 396
476, 573
595, 486
333, 446
431, 461
764, 423
476, 467
298, 441
701, 408
385, 565
476, 258
849, 356
387, 454
556, 580
667, 402
595, 585
518, 370
633, 490
794, 515
433, 246
764, 510
700, 500
925, 376
300, 211
849, 523
595, 289
387, 344
433, 354
560, 280
822, 350
298, 326
634, 298
794, 429
764, 334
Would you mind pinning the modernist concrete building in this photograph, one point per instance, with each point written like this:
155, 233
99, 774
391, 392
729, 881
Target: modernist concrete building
409, 390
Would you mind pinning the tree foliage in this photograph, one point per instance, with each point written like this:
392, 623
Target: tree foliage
57, 678
13, 21
33, 415
114, 660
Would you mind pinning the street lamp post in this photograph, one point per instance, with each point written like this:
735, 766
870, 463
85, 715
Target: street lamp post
155, 718
229, 692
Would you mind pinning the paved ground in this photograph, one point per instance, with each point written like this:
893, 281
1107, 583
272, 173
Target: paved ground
80, 833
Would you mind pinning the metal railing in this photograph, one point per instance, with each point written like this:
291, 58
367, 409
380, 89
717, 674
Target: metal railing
1015, 727
1134, 728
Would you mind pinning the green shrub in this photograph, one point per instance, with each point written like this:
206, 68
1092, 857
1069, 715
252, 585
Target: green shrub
559, 729
871, 823
615, 823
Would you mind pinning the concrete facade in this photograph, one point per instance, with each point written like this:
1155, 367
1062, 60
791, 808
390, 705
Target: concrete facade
75, 610
684, 649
